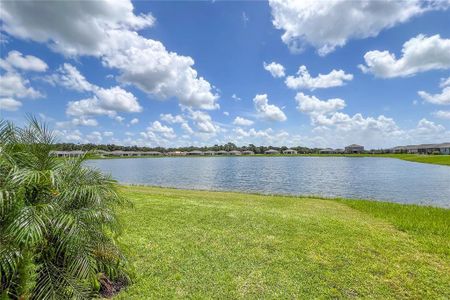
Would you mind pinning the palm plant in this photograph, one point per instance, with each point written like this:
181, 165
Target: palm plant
57, 220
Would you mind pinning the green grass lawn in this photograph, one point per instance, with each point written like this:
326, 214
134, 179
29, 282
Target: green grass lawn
429, 159
197, 244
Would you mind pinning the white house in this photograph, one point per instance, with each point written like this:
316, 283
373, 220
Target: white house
290, 151
272, 151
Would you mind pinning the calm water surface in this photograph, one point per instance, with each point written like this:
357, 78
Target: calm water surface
351, 177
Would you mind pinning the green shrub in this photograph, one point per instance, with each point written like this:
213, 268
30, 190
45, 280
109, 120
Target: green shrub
57, 220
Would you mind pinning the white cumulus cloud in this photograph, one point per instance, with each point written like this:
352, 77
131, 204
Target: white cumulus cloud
428, 129
68, 76
81, 121
442, 98
268, 111
165, 131
71, 27
275, 69
9, 104
118, 99
204, 122
12, 84
329, 24
419, 54
107, 29
242, 121
104, 101
169, 118
442, 114
17, 60
305, 81
314, 106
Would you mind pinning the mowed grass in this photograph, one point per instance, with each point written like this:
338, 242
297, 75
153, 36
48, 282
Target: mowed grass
198, 244
428, 159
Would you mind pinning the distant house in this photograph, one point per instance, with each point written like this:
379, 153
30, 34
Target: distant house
354, 148
67, 153
154, 153
290, 151
327, 151
222, 152
235, 152
248, 152
210, 153
443, 148
176, 153
101, 152
195, 152
271, 151
119, 153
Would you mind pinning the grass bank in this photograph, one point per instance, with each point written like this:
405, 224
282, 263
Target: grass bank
198, 244
429, 159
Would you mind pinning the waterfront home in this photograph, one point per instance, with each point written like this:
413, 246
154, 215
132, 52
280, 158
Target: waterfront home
327, 151
222, 152
443, 148
248, 152
153, 153
119, 153
195, 152
235, 152
176, 153
354, 148
271, 151
290, 151
67, 153
135, 153
101, 152
210, 153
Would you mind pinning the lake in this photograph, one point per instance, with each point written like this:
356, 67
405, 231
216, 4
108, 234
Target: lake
382, 179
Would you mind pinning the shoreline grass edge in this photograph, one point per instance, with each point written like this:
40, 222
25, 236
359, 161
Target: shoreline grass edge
189, 243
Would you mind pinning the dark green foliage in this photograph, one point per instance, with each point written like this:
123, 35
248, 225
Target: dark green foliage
57, 220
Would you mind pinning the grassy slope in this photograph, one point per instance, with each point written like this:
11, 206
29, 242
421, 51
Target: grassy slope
228, 245
429, 159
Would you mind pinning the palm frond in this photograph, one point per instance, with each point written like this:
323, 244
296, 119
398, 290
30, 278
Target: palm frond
29, 226
57, 218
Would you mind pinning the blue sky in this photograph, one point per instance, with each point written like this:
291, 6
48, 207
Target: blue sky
201, 73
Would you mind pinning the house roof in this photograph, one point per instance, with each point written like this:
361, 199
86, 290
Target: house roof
68, 152
422, 146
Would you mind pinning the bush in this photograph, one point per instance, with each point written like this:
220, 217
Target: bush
57, 220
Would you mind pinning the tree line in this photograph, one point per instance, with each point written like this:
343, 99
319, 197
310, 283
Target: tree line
224, 147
